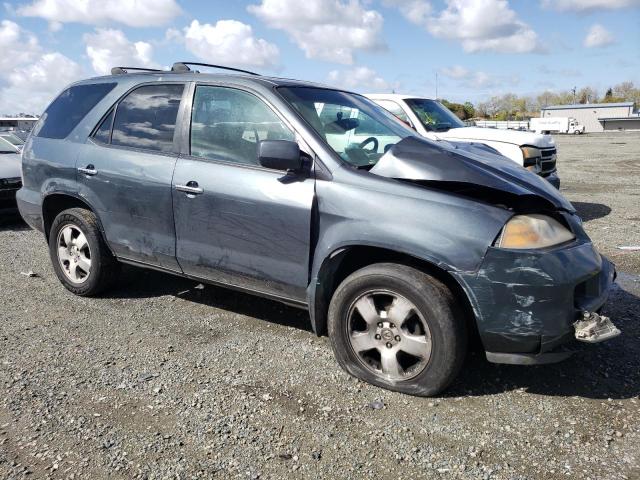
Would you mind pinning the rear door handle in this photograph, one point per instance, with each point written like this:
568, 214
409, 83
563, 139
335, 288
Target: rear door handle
88, 170
191, 187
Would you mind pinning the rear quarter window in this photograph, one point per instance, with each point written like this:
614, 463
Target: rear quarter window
71, 106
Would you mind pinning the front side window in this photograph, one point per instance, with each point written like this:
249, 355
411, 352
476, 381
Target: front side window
227, 124
394, 108
434, 116
71, 106
146, 118
357, 129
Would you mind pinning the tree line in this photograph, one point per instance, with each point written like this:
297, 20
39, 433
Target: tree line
514, 107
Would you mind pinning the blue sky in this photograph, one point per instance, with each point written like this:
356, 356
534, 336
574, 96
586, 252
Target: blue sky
478, 48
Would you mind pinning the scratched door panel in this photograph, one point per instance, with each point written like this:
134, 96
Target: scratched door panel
249, 227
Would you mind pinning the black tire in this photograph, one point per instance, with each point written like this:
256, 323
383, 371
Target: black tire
104, 266
431, 298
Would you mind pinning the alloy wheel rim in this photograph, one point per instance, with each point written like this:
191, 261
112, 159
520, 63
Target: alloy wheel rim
74, 254
388, 334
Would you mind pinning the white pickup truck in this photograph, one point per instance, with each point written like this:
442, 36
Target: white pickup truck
431, 119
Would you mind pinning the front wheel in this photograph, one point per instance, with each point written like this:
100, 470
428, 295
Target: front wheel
399, 328
80, 257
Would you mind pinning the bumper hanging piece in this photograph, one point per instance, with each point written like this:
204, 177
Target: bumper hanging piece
594, 328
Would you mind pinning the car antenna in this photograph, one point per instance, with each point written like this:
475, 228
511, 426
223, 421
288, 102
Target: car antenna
184, 67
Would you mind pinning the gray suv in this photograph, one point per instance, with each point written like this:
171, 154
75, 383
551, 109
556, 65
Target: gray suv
400, 247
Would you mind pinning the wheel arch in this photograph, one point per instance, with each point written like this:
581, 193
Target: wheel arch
54, 203
345, 260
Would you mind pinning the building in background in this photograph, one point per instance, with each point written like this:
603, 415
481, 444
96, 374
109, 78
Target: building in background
598, 117
17, 123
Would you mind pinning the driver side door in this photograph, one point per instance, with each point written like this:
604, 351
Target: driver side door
238, 223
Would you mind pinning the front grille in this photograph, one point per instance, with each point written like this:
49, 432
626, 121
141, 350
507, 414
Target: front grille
548, 162
10, 183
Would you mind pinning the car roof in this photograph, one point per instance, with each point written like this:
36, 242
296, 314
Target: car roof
266, 81
392, 96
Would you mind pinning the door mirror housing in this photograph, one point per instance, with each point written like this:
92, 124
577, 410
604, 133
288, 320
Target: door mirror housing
280, 155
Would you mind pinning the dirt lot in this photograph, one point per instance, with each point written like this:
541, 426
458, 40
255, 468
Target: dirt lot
164, 379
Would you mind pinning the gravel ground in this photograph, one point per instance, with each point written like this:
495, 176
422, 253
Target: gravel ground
163, 378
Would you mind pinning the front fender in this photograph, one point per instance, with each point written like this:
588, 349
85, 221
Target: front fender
445, 230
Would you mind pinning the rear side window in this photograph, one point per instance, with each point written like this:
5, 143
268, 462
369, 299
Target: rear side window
146, 118
71, 106
103, 133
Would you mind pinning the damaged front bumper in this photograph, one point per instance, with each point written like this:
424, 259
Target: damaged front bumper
527, 302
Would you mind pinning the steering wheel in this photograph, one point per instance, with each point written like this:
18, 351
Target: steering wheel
369, 140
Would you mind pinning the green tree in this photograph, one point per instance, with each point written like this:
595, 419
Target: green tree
609, 97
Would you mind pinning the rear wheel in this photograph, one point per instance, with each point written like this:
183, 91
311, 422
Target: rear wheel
80, 257
398, 328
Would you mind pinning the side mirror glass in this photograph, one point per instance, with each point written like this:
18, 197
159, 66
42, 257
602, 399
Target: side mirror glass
279, 155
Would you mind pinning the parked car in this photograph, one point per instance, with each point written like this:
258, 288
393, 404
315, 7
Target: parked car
10, 172
399, 247
13, 139
433, 120
21, 134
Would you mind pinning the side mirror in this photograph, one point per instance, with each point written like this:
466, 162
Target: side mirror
279, 155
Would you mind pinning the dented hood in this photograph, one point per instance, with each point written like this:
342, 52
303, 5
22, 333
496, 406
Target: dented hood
469, 164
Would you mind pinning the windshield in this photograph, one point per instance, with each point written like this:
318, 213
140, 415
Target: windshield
434, 116
12, 139
7, 147
354, 127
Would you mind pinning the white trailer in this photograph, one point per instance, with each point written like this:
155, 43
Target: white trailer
556, 125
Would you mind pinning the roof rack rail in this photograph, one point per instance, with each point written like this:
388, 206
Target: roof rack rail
125, 70
184, 67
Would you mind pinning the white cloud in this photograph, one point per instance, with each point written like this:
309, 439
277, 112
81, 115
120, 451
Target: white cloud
30, 76
359, 78
588, 5
456, 71
564, 72
16, 45
598, 36
481, 80
134, 13
416, 11
330, 30
30, 88
477, 79
108, 48
228, 42
484, 25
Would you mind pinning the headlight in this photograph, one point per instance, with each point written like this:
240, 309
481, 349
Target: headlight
533, 231
532, 158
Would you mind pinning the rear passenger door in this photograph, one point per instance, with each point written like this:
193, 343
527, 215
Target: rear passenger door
238, 223
126, 174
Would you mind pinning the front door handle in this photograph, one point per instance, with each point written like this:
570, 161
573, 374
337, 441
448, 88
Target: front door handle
191, 188
88, 170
